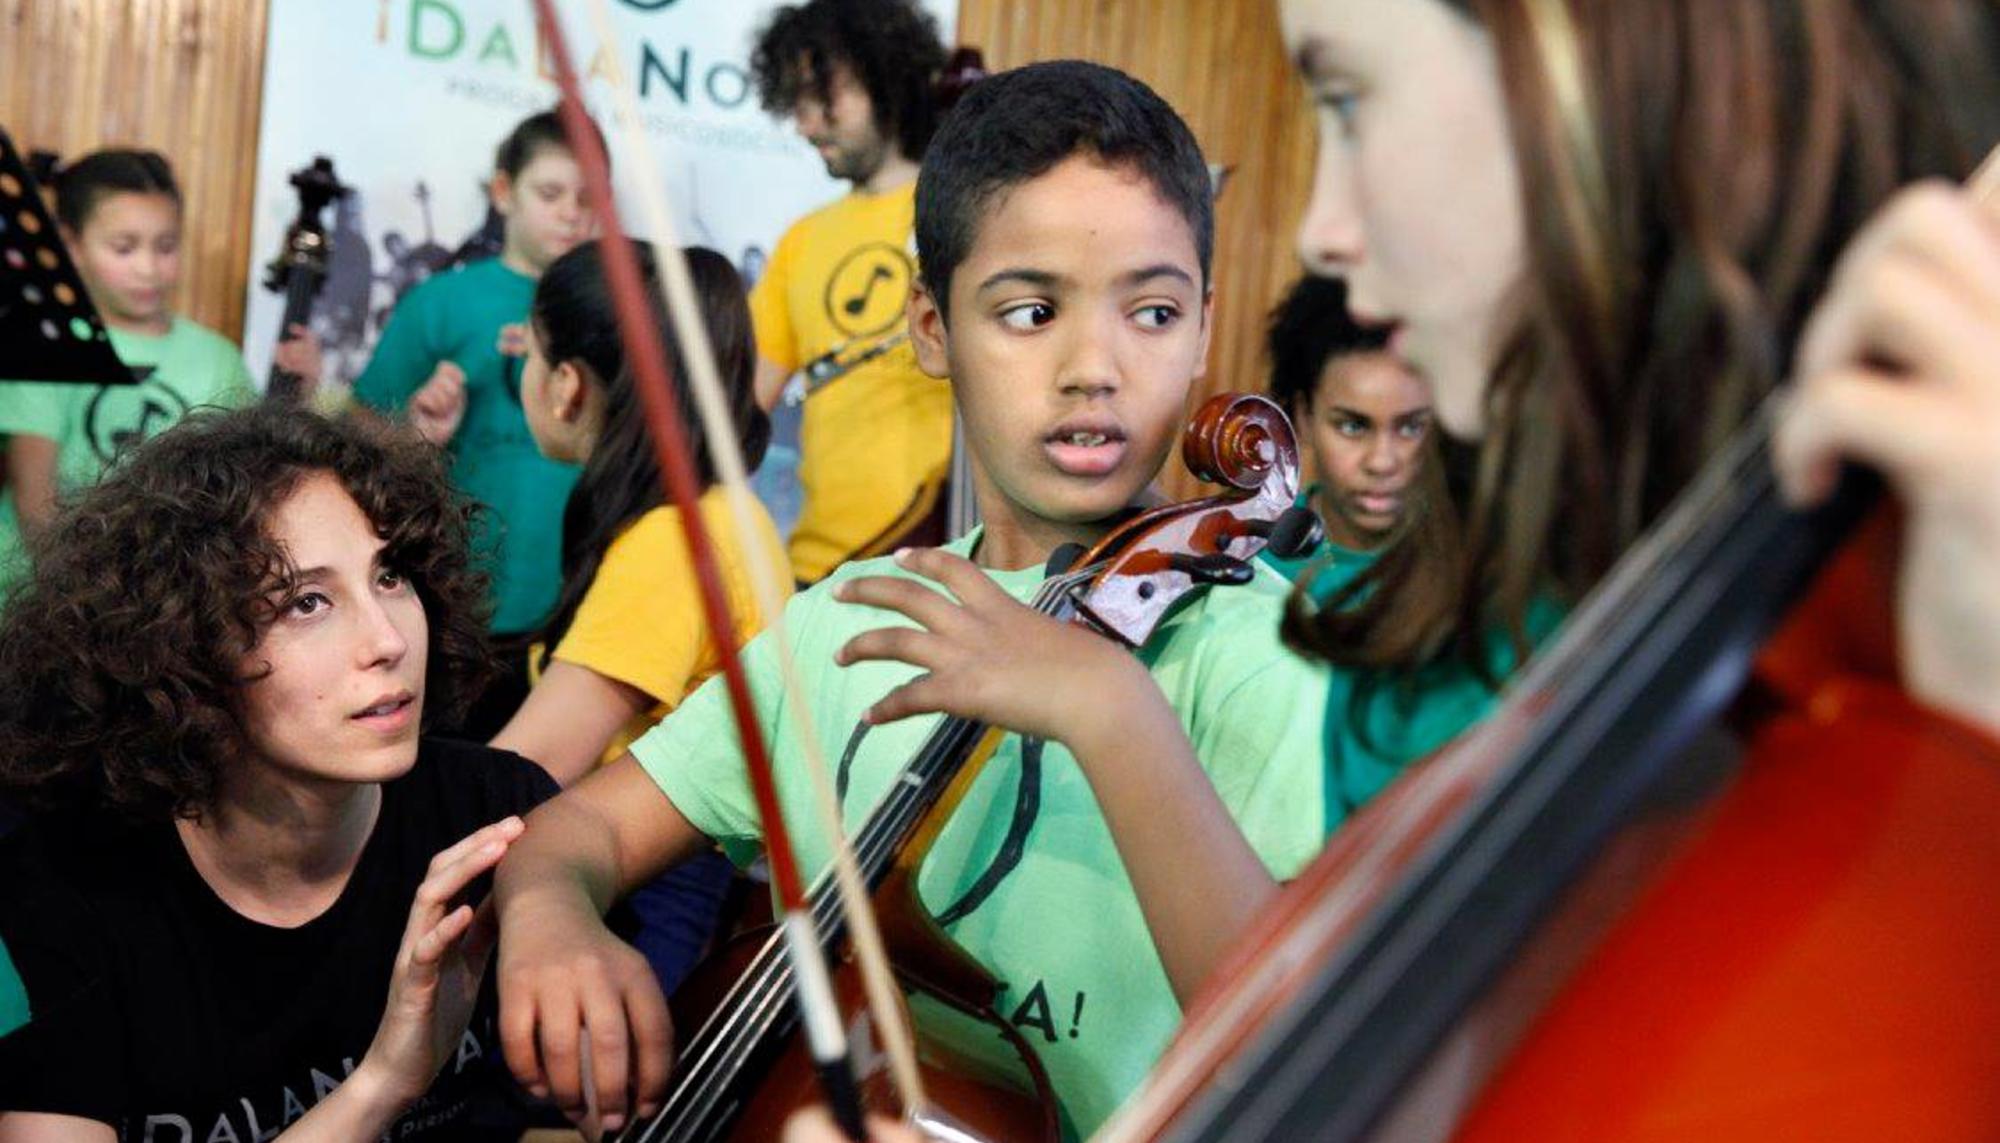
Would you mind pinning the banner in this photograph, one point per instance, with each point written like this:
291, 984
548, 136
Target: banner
410, 99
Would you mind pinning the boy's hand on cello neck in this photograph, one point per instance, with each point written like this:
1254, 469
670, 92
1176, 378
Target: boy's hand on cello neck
436, 410
989, 657
1900, 370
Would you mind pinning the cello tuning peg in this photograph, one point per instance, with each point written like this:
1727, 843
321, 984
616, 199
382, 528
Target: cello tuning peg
1225, 571
1296, 532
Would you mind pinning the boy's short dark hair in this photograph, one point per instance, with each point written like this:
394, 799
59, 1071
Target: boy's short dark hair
892, 47
1308, 329
1020, 124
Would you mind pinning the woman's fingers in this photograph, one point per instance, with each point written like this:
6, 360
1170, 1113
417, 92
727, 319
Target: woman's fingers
911, 645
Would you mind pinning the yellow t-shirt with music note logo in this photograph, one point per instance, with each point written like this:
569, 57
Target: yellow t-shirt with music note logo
874, 444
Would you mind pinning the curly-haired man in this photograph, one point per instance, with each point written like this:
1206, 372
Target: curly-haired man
856, 78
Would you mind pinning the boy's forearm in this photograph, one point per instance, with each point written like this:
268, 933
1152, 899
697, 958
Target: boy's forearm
595, 842
1198, 881
564, 857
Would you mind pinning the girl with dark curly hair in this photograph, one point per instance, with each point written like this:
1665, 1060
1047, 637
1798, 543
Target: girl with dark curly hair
217, 683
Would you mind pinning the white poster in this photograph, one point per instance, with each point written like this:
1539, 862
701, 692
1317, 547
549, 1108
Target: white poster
410, 99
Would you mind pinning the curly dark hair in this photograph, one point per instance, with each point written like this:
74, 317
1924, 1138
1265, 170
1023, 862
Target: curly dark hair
892, 46
122, 652
1308, 329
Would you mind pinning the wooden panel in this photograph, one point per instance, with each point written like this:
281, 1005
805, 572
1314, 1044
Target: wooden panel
183, 77
1221, 63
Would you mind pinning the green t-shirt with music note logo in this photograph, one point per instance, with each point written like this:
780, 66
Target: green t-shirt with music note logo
193, 367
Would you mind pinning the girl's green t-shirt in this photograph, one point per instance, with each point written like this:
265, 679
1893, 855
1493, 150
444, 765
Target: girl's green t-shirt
1376, 727
193, 367
457, 317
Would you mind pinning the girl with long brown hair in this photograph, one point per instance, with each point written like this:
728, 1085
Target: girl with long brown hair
1598, 232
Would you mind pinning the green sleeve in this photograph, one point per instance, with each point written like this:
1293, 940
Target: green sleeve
13, 995
403, 358
242, 390
694, 756
36, 408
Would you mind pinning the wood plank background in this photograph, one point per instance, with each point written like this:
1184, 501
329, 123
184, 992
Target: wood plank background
184, 77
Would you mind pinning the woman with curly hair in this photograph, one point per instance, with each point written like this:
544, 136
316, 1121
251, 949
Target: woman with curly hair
216, 686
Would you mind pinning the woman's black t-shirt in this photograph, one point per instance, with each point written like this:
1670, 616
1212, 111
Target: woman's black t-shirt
156, 1007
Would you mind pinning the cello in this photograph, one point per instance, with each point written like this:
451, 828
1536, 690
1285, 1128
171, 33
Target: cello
300, 269
1596, 917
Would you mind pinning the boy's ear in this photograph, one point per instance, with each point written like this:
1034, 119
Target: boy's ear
928, 335
500, 192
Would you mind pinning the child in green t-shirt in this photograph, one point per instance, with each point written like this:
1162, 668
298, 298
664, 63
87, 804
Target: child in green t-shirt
1366, 420
1110, 849
449, 362
1363, 422
119, 215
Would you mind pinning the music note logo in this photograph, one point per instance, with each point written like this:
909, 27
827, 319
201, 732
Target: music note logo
120, 416
856, 304
867, 290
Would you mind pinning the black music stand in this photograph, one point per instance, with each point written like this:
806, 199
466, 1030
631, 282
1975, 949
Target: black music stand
49, 330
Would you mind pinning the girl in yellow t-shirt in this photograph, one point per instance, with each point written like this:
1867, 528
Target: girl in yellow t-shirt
627, 639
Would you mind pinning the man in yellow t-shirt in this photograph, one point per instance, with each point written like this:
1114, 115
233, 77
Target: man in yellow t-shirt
875, 442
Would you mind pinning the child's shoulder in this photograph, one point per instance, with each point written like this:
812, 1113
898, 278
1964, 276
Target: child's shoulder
192, 335
476, 276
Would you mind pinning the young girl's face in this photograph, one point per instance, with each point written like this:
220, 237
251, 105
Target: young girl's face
337, 680
1367, 423
129, 253
547, 210
1416, 200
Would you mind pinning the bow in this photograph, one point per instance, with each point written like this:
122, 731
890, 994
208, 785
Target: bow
646, 358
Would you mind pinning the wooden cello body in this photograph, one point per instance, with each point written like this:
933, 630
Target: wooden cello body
1819, 958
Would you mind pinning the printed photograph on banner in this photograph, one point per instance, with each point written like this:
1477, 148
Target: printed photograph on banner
410, 99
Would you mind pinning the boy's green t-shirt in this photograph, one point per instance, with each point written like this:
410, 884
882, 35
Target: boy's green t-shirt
193, 367
457, 317
1026, 876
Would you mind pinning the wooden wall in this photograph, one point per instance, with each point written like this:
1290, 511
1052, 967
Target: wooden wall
183, 77
1221, 63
